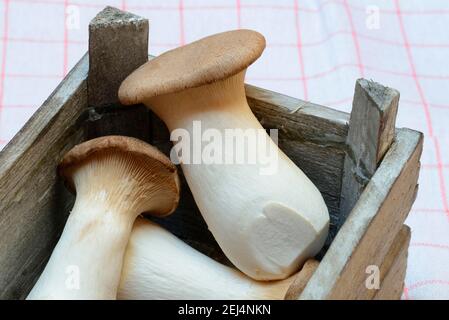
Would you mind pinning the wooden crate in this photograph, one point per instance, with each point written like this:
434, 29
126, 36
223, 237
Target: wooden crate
366, 169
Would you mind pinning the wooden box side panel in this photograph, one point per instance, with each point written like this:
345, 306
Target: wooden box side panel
370, 229
392, 277
34, 205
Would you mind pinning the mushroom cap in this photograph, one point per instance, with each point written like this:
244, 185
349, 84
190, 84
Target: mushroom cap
207, 60
148, 158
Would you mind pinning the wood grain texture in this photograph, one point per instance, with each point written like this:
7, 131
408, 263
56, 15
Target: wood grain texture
33, 203
370, 134
394, 267
118, 44
133, 121
369, 231
301, 279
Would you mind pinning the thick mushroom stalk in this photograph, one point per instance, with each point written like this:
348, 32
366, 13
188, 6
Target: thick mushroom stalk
265, 214
160, 266
115, 179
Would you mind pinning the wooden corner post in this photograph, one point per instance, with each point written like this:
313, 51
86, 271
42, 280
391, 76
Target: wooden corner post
118, 44
371, 132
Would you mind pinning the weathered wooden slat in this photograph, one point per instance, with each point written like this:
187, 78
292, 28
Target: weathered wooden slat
391, 271
33, 203
300, 120
301, 279
392, 284
369, 231
118, 44
370, 134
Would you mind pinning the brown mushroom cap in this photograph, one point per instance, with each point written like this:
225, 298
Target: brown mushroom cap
208, 60
147, 158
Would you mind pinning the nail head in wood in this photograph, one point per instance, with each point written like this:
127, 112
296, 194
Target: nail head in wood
118, 44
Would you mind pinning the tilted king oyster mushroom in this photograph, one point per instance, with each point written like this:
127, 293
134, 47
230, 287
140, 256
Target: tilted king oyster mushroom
266, 224
116, 179
160, 266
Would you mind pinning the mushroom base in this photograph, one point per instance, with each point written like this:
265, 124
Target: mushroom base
160, 266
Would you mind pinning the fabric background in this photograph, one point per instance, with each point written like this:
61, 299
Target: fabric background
316, 50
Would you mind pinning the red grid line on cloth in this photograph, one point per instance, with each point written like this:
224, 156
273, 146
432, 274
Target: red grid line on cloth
4, 52
413, 69
355, 40
432, 105
402, 102
430, 245
182, 36
406, 296
352, 65
238, 8
43, 41
318, 9
434, 166
330, 36
419, 284
441, 175
303, 78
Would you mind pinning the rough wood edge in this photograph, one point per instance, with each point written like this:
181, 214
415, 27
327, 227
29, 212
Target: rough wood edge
118, 44
392, 283
30, 133
301, 279
376, 207
32, 212
297, 107
370, 134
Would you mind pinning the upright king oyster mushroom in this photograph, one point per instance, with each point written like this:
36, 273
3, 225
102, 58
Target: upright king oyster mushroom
267, 224
160, 266
115, 179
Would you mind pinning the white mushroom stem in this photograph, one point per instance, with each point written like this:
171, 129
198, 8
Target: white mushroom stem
160, 266
266, 224
87, 261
